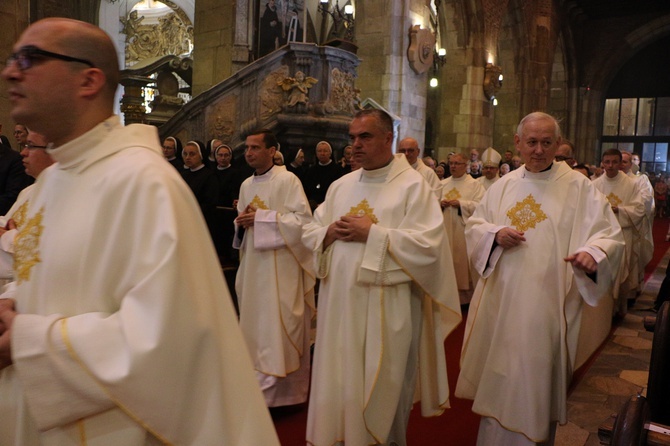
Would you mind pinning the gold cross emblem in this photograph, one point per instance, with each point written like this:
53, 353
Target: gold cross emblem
526, 214
453, 194
363, 208
258, 203
613, 199
26, 247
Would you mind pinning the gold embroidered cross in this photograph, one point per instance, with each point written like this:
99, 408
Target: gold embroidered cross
363, 208
26, 247
258, 203
613, 199
526, 214
453, 194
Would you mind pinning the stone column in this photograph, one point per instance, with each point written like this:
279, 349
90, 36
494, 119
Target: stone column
14, 18
215, 54
385, 75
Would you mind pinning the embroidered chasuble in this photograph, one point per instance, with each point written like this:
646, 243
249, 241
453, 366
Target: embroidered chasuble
275, 285
468, 192
523, 323
368, 294
126, 333
622, 191
17, 213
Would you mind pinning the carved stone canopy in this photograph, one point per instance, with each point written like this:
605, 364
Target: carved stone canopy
421, 49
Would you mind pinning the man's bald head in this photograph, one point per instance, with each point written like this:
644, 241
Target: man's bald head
85, 41
62, 78
410, 147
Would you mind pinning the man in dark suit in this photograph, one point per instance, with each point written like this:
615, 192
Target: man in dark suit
13, 177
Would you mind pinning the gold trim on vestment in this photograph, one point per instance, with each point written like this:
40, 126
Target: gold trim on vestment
82, 432
453, 194
613, 199
363, 208
258, 203
26, 247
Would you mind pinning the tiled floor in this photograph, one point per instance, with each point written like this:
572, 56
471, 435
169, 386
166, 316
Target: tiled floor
620, 371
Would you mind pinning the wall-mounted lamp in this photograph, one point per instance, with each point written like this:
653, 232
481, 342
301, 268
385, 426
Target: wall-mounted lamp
343, 16
493, 79
433, 82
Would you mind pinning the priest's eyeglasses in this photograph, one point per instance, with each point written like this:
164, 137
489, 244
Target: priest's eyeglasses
31, 146
27, 56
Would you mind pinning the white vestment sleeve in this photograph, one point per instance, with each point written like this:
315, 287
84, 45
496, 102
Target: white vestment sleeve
482, 258
266, 231
593, 290
377, 266
54, 403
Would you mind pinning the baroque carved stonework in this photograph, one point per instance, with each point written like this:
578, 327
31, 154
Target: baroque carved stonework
172, 35
343, 96
421, 49
298, 88
221, 119
270, 94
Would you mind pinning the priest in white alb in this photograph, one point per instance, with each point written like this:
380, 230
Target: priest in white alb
622, 192
410, 147
545, 242
275, 280
643, 249
460, 195
387, 298
123, 331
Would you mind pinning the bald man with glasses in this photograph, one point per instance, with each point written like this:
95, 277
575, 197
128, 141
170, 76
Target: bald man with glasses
121, 314
410, 147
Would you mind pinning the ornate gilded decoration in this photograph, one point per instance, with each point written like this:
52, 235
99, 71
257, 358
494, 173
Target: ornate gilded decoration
453, 194
363, 208
270, 94
172, 35
526, 214
26, 247
298, 88
19, 216
258, 203
343, 96
614, 200
421, 49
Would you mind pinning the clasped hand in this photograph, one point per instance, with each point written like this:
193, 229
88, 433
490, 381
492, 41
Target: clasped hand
349, 228
246, 218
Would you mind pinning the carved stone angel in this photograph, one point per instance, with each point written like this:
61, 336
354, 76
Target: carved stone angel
298, 88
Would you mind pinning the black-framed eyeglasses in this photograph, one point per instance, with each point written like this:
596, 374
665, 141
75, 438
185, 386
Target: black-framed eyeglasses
31, 146
26, 57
